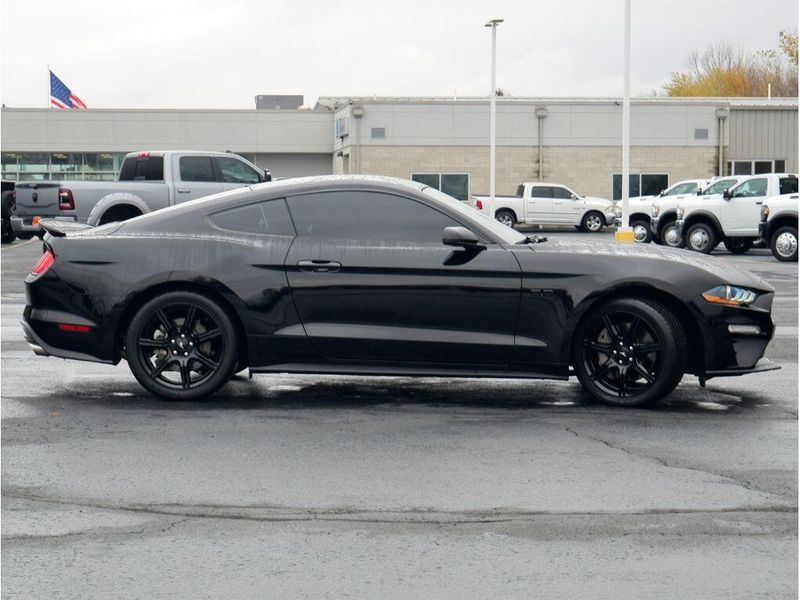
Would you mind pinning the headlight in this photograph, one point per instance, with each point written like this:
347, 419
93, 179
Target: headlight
679, 212
730, 295
655, 211
764, 212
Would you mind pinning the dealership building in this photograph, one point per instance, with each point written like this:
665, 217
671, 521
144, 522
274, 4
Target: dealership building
440, 141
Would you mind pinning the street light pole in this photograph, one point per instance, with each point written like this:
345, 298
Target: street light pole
625, 233
493, 115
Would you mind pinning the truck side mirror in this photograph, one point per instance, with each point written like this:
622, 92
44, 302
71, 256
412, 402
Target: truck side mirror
726, 194
267, 175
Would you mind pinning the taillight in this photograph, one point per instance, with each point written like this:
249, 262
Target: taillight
74, 328
65, 199
44, 263
479, 205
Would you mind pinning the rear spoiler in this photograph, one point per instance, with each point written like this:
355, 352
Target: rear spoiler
58, 228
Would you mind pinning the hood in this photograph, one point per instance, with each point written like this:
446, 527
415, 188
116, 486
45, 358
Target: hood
597, 200
721, 269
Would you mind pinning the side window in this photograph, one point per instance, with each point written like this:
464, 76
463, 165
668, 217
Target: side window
142, 168
562, 193
541, 191
369, 216
788, 185
271, 217
235, 171
684, 188
751, 188
719, 186
196, 168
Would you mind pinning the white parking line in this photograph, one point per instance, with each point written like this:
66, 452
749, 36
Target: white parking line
25, 243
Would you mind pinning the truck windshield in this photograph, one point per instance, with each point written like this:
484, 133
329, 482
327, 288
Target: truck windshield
142, 168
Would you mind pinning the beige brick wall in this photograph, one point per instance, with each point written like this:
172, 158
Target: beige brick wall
586, 169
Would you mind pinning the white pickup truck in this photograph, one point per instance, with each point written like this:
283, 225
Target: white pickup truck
732, 218
147, 181
778, 227
664, 208
549, 204
640, 208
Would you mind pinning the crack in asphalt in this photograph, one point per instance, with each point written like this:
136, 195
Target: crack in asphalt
266, 513
743, 483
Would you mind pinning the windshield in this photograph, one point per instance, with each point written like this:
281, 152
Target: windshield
503, 232
719, 186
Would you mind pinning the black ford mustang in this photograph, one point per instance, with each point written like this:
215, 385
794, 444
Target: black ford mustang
366, 275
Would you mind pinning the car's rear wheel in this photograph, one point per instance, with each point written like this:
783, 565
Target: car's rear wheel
506, 217
701, 237
182, 346
670, 236
629, 352
592, 222
738, 245
641, 232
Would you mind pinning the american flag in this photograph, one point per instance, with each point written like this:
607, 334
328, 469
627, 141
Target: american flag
61, 96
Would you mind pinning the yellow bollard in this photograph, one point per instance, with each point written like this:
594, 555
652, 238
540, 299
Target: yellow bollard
624, 235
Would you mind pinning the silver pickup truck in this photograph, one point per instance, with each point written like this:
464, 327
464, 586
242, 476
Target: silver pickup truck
147, 181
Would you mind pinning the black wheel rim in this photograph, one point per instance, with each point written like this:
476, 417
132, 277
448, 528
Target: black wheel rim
621, 354
181, 346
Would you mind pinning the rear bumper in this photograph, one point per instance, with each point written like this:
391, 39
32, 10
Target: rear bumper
42, 348
24, 224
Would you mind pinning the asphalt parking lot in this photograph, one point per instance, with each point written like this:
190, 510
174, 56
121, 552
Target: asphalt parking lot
310, 486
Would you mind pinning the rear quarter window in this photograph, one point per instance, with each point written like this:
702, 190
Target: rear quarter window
788, 185
265, 218
142, 168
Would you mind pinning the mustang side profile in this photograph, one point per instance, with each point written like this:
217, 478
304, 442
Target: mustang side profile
376, 276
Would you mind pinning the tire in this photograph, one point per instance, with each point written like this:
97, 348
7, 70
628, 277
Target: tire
592, 221
738, 245
701, 237
506, 217
783, 244
158, 335
642, 233
629, 352
670, 237
25, 235
119, 213
7, 232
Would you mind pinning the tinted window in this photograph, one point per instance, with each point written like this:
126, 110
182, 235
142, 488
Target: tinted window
431, 179
264, 217
541, 191
235, 171
197, 168
456, 186
751, 188
361, 215
719, 186
780, 166
788, 185
559, 192
653, 184
683, 188
142, 168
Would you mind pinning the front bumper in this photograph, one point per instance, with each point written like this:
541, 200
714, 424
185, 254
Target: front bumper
761, 366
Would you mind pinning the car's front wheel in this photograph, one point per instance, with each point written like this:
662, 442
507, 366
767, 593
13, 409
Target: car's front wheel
641, 232
592, 222
701, 237
783, 244
670, 236
182, 346
629, 352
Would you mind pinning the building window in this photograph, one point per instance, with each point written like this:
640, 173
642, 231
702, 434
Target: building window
452, 184
81, 166
639, 184
378, 133
701, 134
756, 167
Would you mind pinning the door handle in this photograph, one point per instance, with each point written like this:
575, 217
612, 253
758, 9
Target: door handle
183, 191
319, 266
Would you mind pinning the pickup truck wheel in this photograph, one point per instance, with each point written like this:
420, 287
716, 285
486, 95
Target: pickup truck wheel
670, 236
738, 245
592, 222
641, 232
784, 244
701, 237
506, 217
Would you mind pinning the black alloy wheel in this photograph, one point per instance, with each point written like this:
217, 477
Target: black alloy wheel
630, 352
182, 346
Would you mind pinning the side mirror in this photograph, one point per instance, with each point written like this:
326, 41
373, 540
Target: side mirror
267, 175
460, 236
726, 194
699, 192
662, 192
574, 196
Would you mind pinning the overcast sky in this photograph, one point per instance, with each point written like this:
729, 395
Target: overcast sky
221, 53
